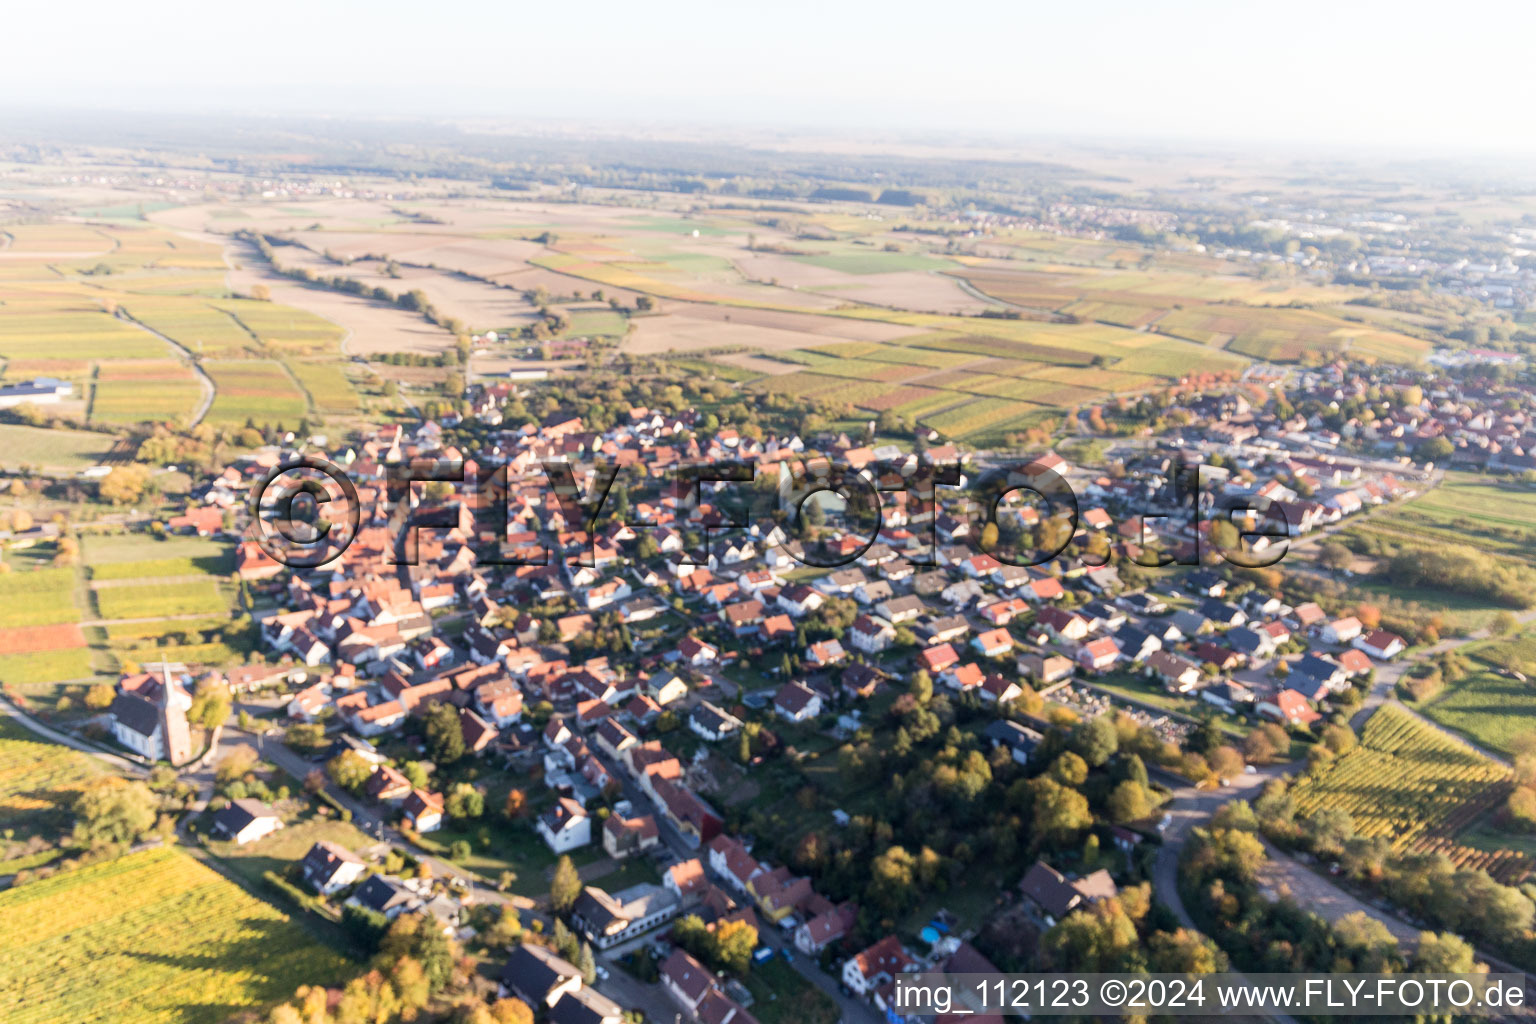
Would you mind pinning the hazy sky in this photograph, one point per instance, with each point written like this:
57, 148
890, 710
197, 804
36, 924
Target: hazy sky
1441, 78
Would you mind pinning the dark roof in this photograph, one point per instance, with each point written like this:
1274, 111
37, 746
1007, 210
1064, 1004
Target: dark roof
1013, 735
584, 1006
324, 859
380, 894
532, 971
136, 713
239, 814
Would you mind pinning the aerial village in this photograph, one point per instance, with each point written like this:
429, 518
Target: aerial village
642, 677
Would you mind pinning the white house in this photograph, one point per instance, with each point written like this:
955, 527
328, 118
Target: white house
328, 867
877, 965
1380, 644
871, 634
565, 826
245, 821
797, 702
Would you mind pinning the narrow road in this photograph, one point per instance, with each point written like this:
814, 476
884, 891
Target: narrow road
210, 391
26, 721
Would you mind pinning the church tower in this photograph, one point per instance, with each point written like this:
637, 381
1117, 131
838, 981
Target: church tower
173, 720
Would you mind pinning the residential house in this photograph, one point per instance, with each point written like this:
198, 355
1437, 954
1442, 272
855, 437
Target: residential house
712, 722
424, 810
566, 826
796, 702
330, 867
1050, 896
1098, 655
876, 966
1380, 644
609, 919
625, 837
1021, 741
245, 821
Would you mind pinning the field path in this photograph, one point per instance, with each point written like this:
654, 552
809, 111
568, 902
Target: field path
205, 381
134, 581
26, 721
183, 617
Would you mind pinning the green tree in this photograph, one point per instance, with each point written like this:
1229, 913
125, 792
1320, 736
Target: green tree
1060, 813
586, 963
921, 686
465, 802
211, 704
113, 810
349, 770
1129, 801
1095, 740
415, 773
443, 733
565, 887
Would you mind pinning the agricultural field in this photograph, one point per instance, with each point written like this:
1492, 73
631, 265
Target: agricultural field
284, 329
853, 260
51, 449
159, 600
1416, 787
1494, 514
38, 783
198, 326
149, 938
29, 668
596, 322
1491, 706
1285, 335
74, 330
980, 387
37, 597
257, 390
217, 563
329, 389
132, 392
101, 549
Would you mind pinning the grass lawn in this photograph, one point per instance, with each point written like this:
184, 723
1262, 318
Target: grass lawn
782, 996
506, 846
287, 845
631, 871
1488, 708
54, 449
606, 322
971, 902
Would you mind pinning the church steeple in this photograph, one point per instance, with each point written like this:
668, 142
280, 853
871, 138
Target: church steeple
173, 719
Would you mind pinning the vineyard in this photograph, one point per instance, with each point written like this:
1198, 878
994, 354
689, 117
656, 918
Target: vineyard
1413, 785
38, 782
38, 597
160, 600
149, 938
